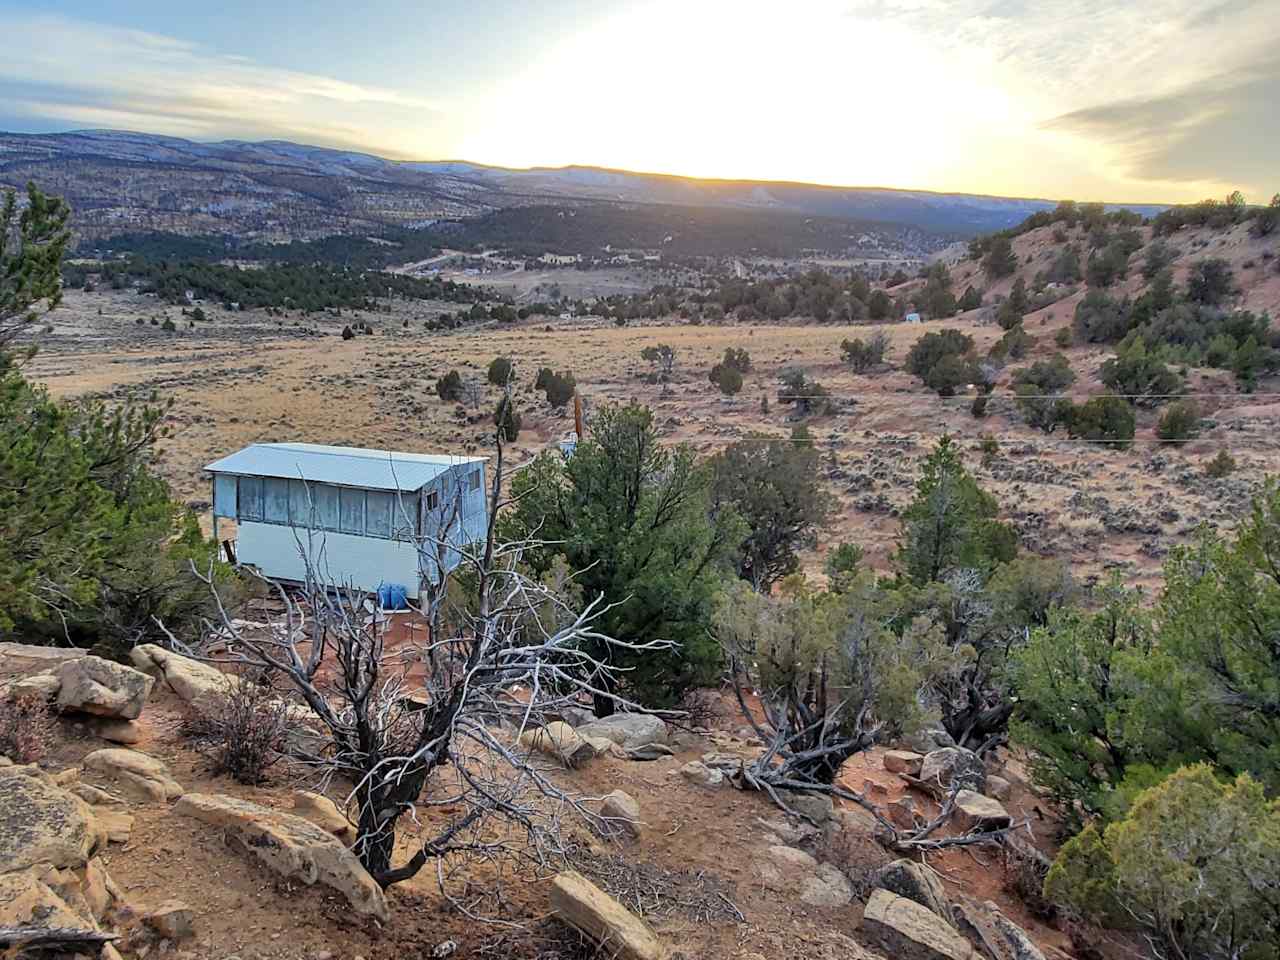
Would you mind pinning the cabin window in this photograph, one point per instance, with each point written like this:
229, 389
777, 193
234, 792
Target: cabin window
377, 515
275, 500
300, 512
404, 517
433, 499
473, 481
249, 502
326, 503
351, 508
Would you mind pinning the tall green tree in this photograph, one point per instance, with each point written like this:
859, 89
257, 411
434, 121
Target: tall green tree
775, 485
635, 519
951, 523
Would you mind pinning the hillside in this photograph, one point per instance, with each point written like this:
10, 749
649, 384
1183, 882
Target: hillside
119, 182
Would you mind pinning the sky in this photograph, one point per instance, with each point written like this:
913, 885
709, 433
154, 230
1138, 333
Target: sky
1146, 101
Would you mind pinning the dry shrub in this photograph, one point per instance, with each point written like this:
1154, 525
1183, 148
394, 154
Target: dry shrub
28, 728
243, 731
1024, 875
857, 855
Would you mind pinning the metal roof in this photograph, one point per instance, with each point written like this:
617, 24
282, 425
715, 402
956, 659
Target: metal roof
344, 466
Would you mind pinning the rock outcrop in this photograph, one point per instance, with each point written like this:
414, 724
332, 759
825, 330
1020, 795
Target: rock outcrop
559, 740
291, 846
577, 901
903, 761
915, 882
976, 812
137, 774
941, 768
40, 823
324, 813
191, 680
100, 687
999, 936
631, 731
622, 814
908, 931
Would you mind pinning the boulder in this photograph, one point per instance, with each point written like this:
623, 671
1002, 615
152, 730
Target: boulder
127, 732
291, 846
903, 761
622, 813
103, 688
790, 870
941, 768
43, 686
850, 825
173, 920
38, 652
29, 905
828, 887
998, 787
630, 731
695, 771
902, 813
94, 796
139, 775
324, 813
929, 739
815, 807
908, 931
558, 739
909, 879
976, 812
117, 825
577, 716
577, 901
40, 823
1000, 937
191, 680
603, 746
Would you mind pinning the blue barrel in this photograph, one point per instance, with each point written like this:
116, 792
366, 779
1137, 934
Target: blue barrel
393, 596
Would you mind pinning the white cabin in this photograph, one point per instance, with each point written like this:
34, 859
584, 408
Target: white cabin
365, 518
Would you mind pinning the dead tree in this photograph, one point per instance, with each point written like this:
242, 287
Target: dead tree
440, 715
820, 671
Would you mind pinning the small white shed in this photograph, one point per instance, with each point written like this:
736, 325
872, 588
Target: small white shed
360, 514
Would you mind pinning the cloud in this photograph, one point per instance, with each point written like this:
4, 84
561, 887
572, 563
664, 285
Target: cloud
97, 75
1220, 130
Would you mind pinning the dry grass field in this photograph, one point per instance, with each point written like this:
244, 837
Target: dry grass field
243, 377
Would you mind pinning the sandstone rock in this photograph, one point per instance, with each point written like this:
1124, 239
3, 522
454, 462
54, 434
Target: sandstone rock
941, 768
27, 903
105, 689
913, 881
902, 813
930, 739
29, 651
577, 901
622, 812
117, 731
849, 825
97, 888
697, 772
42, 685
815, 807
324, 813
976, 812
139, 775
291, 846
118, 826
559, 740
67, 777
42, 823
191, 680
603, 746
628, 730
998, 787
173, 920
908, 931
903, 761
828, 887
999, 936
577, 716
93, 796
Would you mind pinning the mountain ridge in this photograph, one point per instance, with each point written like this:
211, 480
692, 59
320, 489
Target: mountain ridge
279, 188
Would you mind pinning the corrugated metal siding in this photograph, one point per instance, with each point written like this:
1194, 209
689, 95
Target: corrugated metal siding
343, 466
